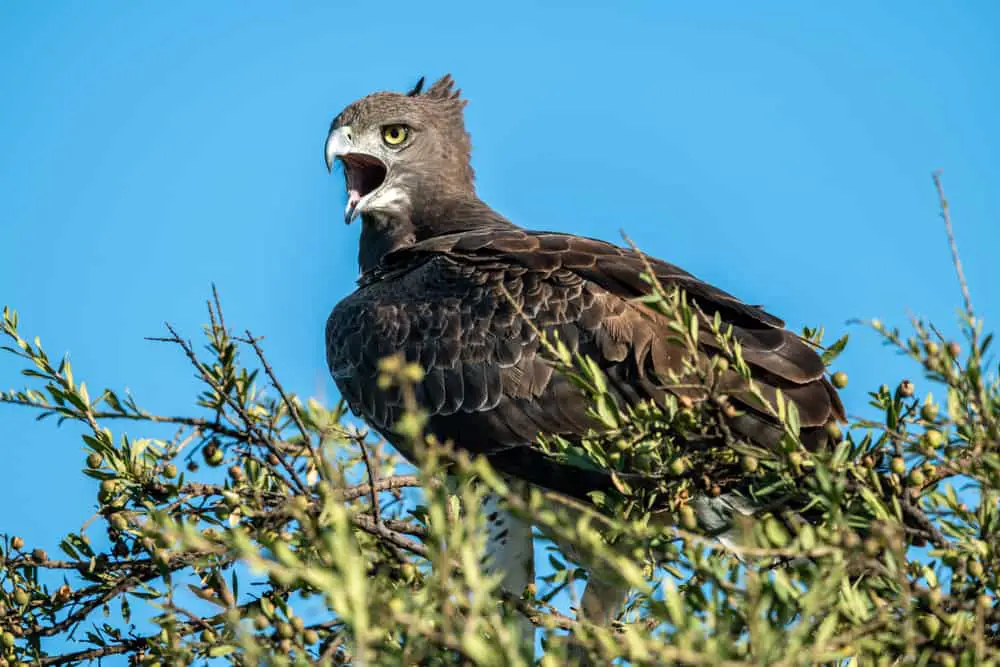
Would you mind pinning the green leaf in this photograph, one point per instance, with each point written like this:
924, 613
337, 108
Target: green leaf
68, 549
834, 350
792, 418
675, 605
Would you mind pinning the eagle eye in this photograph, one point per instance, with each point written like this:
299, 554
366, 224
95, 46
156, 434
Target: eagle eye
394, 135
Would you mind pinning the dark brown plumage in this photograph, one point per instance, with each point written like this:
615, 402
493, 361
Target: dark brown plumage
437, 266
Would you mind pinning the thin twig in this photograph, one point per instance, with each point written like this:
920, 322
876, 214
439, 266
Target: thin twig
193, 422
916, 514
81, 657
372, 479
293, 409
955, 259
376, 507
235, 405
384, 484
367, 524
218, 307
125, 584
138, 643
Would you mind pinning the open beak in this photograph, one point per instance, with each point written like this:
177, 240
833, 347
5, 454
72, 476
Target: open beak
364, 173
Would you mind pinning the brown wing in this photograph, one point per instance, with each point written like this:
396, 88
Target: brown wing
444, 304
486, 386
779, 358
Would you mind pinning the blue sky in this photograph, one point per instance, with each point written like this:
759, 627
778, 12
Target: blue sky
781, 150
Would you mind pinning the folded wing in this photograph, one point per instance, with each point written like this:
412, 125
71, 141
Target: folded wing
460, 306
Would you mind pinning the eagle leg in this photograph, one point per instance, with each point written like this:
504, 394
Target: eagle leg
510, 550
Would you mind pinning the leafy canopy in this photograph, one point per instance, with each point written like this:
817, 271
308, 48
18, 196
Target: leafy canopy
264, 529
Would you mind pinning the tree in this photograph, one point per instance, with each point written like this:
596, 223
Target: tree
318, 544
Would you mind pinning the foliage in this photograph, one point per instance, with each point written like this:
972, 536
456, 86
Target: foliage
291, 536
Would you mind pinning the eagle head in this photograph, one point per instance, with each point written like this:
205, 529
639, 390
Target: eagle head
403, 153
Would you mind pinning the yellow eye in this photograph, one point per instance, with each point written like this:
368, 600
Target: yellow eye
394, 135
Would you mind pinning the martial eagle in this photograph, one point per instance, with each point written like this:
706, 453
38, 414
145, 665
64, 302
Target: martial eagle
449, 282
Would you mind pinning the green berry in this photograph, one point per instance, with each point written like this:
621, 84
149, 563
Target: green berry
213, 454
834, 431
94, 460
898, 465
933, 437
839, 379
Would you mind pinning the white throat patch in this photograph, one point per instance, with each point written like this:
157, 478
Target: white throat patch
386, 199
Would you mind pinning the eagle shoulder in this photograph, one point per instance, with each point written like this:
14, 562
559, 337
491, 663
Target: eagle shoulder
472, 324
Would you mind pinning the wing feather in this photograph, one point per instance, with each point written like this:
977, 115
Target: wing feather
447, 304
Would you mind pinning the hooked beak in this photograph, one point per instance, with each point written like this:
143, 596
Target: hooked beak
364, 173
337, 144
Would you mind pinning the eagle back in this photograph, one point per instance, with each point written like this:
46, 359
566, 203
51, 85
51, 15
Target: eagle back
469, 308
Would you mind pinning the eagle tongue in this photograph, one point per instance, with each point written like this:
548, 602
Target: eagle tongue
353, 198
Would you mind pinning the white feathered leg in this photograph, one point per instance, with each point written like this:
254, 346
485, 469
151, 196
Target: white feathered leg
510, 550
